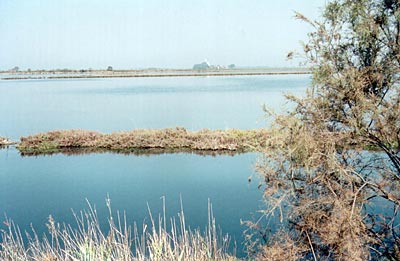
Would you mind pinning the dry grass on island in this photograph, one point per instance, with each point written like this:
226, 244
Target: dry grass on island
5, 142
144, 139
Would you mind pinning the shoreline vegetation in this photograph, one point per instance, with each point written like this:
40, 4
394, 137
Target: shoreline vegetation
6, 142
159, 238
143, 141
89, 74
134, 152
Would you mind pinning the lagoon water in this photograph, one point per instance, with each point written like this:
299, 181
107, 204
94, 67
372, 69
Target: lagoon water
32, 106
32, 188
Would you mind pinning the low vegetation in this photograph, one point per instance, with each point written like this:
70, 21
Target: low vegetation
135, 152
165, 139
88, 241
5, 141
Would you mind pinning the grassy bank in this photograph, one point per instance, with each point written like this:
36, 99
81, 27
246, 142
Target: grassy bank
174, 139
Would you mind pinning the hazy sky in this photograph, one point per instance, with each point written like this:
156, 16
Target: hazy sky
44, 34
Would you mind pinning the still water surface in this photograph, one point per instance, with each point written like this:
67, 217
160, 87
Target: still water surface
32, 188
31, 106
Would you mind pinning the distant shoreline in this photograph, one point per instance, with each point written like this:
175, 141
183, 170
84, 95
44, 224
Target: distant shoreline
83, 74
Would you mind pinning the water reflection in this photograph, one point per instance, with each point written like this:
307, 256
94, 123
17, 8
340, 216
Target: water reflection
109, 105
32, 188
134, 152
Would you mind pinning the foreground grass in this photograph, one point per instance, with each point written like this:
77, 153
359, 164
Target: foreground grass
122, 242
142, 139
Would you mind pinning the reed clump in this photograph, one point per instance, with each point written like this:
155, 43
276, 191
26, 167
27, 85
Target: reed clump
168, 139
5, 141
153, 241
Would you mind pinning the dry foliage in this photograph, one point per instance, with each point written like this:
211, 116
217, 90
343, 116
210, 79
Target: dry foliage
332, 169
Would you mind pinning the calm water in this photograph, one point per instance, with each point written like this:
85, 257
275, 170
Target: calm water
31, 106
32, 188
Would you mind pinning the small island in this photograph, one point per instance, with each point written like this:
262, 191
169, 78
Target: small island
6, 142
175, 139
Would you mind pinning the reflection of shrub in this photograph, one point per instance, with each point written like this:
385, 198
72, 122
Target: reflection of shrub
121, 242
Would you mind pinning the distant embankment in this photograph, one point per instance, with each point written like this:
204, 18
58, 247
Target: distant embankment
176, 139
148, 73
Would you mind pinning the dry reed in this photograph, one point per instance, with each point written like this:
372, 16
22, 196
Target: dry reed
5, 141
142, 139
122, 242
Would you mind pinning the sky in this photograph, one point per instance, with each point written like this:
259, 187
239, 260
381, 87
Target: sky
132, 34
